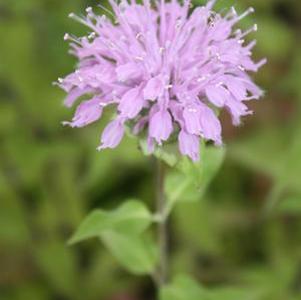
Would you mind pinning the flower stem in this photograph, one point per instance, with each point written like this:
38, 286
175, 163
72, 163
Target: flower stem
162, 272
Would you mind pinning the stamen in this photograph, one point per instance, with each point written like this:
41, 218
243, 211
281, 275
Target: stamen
254, 28
178, 24
89, 10
139, 58
251, 45
202, 78
106, 10
72, 38
92, 35
246, 13
81, 20
261, 63
139, 35
161, 50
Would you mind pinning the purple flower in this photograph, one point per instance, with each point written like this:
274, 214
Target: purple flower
163, 67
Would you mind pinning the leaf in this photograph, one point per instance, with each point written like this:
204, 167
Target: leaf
183, 288
131, 217
186, 288
179, 187
229, 293
190, 181
168, 153
202, 172
136, 254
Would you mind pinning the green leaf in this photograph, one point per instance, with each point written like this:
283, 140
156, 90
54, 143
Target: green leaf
179, 187
202, 172
191, 182
183, 288
136, 254
186, 288
168, 153
132, 217
229, 293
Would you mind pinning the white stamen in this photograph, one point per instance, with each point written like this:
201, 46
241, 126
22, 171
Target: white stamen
161, 50
233, 11
178, 24
202, 78
66, 37
246, 13
252, 29
139, 35
139, 58
92, 35
251, 45
112, 45
89, 10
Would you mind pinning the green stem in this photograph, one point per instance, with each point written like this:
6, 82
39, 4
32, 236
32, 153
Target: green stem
162, 272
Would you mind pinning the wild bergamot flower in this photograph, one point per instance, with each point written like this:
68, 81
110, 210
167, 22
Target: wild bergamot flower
165, 68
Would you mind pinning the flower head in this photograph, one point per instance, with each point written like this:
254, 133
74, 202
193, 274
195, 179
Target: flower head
164, 68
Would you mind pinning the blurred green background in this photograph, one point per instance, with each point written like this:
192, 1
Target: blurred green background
245, 232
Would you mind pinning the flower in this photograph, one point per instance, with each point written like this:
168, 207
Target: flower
165, 68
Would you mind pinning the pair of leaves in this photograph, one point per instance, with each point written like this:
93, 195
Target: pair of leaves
120, 230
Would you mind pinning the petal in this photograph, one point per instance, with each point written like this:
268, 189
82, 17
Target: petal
217, 95
128, 71
211, 126
150, 145
131, 103
86, 113
192, 120
112, 135
153, 88
160, 126
237, 110
189, 145
74, 95
236, 87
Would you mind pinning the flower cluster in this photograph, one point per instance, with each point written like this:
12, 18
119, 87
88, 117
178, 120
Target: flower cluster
165, 68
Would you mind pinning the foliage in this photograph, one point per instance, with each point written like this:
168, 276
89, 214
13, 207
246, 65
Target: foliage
242, 234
